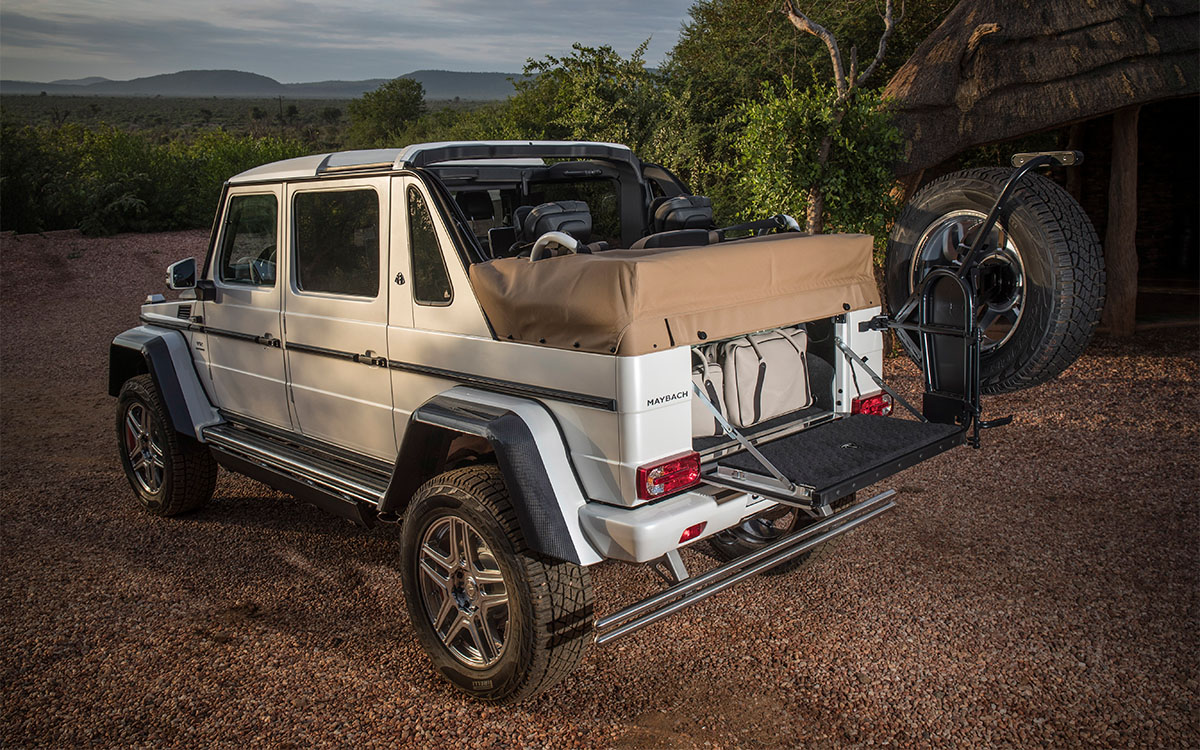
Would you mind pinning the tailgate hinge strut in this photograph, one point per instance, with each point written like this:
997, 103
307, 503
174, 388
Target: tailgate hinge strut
862, 362
745, 443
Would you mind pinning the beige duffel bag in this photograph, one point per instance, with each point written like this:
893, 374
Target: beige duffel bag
766, 375
707, 374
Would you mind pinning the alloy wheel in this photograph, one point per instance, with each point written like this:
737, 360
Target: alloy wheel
463, 592
1001, 297
144, 448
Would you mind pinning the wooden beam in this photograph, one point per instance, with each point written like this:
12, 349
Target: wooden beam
1120, 245
1075, 138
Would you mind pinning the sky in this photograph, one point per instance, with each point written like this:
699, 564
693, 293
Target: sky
314, 41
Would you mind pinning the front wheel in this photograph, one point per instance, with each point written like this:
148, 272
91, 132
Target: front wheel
1041, 273
499, 621
170, 473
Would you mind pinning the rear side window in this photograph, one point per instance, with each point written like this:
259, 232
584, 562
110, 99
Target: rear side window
431, 284
337, 242
248, 246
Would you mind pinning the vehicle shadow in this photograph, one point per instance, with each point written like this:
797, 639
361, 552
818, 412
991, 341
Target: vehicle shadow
275, 511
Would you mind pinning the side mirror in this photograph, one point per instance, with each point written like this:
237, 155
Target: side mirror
182, 275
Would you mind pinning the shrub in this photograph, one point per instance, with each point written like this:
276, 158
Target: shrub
778, 164
107, 180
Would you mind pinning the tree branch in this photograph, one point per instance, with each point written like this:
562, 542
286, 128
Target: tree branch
889, 23
805, 24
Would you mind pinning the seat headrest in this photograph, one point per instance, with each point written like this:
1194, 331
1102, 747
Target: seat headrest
682, 212
520, 213
476, 204
572, 217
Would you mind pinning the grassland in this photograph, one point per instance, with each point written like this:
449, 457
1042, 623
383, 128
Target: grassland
321, 121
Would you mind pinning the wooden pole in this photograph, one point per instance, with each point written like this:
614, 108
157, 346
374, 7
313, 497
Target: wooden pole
1075, 175
1120, 246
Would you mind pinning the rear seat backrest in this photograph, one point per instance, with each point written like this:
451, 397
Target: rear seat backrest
571, 217
682, 212
676, 238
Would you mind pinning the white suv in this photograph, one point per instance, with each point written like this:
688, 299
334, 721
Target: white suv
537, 357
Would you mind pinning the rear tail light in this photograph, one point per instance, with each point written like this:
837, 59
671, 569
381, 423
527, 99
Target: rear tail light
691, 532
879, 404
668, 477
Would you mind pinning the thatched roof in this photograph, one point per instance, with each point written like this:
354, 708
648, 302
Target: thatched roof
999, 69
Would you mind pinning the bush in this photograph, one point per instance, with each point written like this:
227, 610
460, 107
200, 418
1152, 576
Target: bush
379, 116
778, 162
106, 180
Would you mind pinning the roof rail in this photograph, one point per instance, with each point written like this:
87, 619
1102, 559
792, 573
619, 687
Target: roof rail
424, 154
353, 161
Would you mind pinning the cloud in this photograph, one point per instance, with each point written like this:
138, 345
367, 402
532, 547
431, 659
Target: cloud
299, 41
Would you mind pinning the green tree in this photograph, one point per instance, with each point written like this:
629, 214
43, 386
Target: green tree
848, 81
728, 49
591, 94
779, 157
378, 118
486, 122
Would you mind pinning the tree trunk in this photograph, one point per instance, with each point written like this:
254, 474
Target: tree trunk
1120, 247
814, 219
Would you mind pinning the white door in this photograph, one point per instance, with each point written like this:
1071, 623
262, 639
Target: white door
433, 309
243, 323
335, 313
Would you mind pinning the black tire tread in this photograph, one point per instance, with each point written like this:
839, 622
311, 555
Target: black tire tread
1078, 257
193, 470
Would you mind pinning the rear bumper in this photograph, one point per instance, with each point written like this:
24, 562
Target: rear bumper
650, 531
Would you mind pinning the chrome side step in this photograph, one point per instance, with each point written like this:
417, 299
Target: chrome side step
338, 479
693, 590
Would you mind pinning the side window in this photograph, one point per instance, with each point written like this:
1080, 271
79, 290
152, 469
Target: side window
431, 285
337, 242
248, 246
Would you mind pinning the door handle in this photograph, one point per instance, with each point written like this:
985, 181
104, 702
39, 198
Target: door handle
267, 340
370, 358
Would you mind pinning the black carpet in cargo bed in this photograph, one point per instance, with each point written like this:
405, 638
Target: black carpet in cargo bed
830, 454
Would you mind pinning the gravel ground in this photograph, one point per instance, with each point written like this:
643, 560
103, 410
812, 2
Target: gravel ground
1039, 592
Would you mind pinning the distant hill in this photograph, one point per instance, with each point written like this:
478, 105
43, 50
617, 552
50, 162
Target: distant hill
80, 81
439, 84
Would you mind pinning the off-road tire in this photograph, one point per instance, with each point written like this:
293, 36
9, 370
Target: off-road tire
550, 601
1063, 270
728, 548
189, 472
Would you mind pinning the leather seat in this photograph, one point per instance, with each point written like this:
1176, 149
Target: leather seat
569, 217
682, 221
681, 212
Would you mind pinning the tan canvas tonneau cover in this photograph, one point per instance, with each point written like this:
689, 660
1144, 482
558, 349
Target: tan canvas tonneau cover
630, 302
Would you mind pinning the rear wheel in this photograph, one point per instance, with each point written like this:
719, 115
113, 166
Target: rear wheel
768, 527
1041, 275
499, 621
169, 472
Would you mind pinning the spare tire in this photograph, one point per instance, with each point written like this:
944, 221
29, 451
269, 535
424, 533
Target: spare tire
1042, 272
